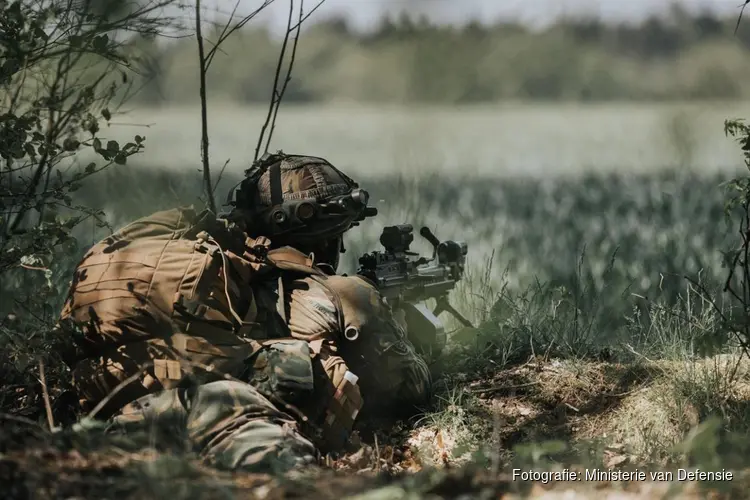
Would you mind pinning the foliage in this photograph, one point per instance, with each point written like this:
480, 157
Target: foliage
737, 283
61, 67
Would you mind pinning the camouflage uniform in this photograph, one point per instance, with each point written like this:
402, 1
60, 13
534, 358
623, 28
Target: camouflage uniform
273, 390
235, 426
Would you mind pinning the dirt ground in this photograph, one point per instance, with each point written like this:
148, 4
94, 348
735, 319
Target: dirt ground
461, 450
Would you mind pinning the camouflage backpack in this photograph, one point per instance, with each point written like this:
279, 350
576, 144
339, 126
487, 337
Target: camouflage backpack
165, 297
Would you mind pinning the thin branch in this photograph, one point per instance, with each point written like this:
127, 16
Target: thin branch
205, 60
288, 77
221, 173
207, 185
312, 11
119, 387
739, 18
45, 393
274, 91
227, 30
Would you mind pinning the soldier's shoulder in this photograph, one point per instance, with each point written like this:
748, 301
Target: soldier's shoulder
353, 287
358, 296
357, 299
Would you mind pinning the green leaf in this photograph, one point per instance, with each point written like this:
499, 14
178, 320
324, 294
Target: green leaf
91, 168
113, 146
71, 144
120, 159
10, 67
93, 126
100, 42
96, 144
138, 139
106, 114
40, 33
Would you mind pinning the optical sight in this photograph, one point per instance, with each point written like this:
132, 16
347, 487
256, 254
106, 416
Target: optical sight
397, 238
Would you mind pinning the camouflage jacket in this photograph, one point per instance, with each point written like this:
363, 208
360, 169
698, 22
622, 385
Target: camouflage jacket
287, 328
349, 327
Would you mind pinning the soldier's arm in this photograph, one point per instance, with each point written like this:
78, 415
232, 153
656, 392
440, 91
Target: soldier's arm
393, 376
349, 318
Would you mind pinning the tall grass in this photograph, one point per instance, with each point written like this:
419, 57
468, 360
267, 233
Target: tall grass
589, 255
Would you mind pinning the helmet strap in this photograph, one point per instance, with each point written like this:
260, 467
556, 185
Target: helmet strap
274, 174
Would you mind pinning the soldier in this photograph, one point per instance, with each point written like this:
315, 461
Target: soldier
236, 329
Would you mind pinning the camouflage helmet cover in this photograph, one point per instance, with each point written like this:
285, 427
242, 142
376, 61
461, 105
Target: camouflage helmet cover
282, 180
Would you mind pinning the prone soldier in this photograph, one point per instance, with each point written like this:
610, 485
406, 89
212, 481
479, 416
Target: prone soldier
235, 331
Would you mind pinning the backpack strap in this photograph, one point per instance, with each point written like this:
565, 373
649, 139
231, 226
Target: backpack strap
291, 259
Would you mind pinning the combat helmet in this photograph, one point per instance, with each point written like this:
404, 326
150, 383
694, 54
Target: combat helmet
298, 199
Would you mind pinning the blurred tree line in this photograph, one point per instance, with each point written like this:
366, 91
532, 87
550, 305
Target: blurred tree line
681, 56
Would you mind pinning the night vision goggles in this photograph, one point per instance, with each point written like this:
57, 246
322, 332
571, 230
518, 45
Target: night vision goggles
292, 214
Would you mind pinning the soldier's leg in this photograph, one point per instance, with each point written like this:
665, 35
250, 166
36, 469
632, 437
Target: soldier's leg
235, 426
230, 424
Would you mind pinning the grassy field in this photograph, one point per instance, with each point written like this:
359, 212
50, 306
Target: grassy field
634, 190
584, 226
498, 140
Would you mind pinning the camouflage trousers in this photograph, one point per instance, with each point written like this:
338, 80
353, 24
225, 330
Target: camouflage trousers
229, 423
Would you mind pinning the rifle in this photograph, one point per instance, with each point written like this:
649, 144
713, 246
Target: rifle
406, 280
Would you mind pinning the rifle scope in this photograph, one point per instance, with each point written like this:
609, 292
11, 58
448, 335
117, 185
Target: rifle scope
397, 238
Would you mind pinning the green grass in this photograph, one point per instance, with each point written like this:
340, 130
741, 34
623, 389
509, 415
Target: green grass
598, 250
577, 286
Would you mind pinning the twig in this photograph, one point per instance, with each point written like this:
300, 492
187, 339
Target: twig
205, 60
651, 361
227, 31
739, 18
303, 19
572, 407
288, 76
33, 268
274, 90
377, 453
221, 173
207, 185
125, 124
118, 388
45, 394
